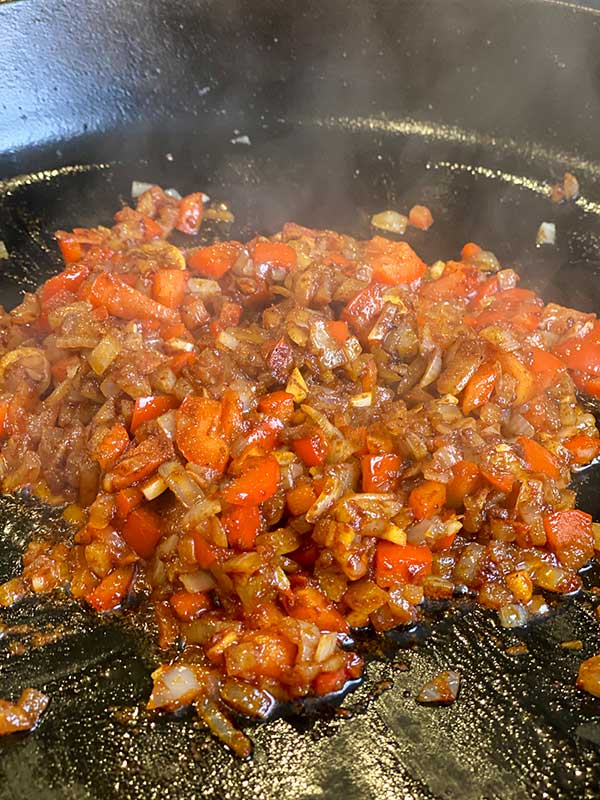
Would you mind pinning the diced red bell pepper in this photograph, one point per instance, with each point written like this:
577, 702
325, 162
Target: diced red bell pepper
147, 408
274, 254
112, 590
329, 682
168, 287
500, 479
122, 301
538, 459
587, 384
113, 444
480, 387
241, 524
380, 473
465, 480
69, 280
128, 499
139, 463
582, 353
191, 211
197, 432
360, 313
469, 251
178, 362
420, 217
278, 404
313, 449
338, 329
526, 384
205, 553
583, 449
543, 361
190, 605
396, 563
257, 483
265, 433
487, 289
142, 531
427, 499
393, 262
214, 261
569, 529
311, 605
71, 249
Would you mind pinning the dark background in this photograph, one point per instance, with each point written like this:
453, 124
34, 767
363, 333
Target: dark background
349, 108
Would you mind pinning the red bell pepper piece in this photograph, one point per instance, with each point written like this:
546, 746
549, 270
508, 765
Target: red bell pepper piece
480, 387
122, 301
538, 459
191, 211
393, 262
311, 605
469, 251
214, 261
427, 499
147, 408
197, 432
241, 524
465, 480
396, 563
190, 605
278, 404
257, 483
583, 449
69, 280
328, 682
420, 217
168, 287
274, 254
568, 529
112, 590
313, 449
338, 329
142, 531
380, 473
128, 499
113, 444
360, 313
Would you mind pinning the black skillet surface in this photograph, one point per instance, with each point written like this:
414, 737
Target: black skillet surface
321, 153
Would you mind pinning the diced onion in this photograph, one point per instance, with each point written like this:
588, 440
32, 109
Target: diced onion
201, 510
513, 615
326, 647
391, 221
174, 686
180, 483
201, 581
154, 487
102, 356
173, 193
362, 400
228, 340
296, 386
167, 422
546, 234
321, 420
203, 287
139, 187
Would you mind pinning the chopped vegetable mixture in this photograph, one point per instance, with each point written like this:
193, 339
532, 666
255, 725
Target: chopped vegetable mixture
272, 443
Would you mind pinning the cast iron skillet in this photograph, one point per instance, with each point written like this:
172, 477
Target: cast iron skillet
469, 107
